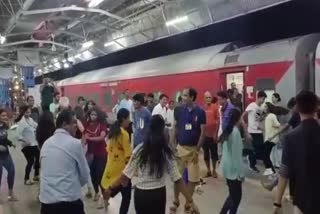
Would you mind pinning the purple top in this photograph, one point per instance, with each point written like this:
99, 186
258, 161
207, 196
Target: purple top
226, 114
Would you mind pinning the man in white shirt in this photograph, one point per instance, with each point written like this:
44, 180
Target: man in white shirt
64, 169
54, 107
126, 102
253, 129
161, 108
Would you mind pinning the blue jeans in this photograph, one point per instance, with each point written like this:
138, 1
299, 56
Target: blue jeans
8, 164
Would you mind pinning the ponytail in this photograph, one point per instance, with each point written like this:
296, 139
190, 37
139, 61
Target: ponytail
115, 130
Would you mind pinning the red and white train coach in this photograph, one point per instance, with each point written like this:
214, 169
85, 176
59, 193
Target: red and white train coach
285, 66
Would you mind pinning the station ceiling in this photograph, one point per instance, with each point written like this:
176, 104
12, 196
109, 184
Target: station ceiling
79, 30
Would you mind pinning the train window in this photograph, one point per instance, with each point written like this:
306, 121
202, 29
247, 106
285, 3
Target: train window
107, 99
95, 97
236, 78
265, 84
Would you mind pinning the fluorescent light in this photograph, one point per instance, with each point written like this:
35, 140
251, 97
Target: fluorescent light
66, 65
71, 59
86, 55
177, 20
94, 3
77, 56
2, 39
87, 44
109, 44
57, 65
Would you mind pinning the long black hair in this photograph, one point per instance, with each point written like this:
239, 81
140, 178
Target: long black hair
22, 111
45, 128
115, 130
155, 151
234, 119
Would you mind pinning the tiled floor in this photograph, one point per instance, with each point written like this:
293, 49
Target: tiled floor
255, 199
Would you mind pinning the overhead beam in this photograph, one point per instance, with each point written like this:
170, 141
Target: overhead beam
75, 8
10, 61
34, 41
49, 31
13, 20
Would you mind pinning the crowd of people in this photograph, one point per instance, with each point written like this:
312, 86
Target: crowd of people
70, 147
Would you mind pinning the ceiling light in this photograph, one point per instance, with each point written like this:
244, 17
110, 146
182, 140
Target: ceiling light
40, 71
108, 44
71, 59
64, 60
57, 65
94, 3
50, 66
177, 20
55, 60
87, 44
16, 87
77, 56
66, 65
86, 55
2, 39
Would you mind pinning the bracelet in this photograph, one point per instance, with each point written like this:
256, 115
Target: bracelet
277, 205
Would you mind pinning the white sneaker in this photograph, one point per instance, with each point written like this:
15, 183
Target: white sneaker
268, 172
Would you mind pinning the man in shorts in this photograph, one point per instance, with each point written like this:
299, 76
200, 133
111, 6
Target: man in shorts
190, 126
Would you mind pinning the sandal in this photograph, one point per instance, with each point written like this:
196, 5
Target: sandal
174, 208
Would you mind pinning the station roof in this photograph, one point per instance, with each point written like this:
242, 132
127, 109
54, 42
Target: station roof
74, 31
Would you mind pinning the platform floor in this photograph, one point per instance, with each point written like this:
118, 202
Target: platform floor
255, 199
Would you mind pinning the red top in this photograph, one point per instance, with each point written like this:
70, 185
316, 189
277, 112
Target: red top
97, 148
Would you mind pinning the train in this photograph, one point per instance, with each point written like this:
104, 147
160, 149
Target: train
286, 66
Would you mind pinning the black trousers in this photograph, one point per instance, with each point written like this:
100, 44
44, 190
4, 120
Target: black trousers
75, 207
268, 148
210, 149
126, 197
259, 150
232, 202
97, 166
32, 155
150, 201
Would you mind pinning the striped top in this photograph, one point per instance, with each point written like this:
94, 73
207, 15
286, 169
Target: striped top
143, 179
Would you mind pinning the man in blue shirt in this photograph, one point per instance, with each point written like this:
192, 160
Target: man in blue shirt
64, 169
190, 128
226, 108
141, 119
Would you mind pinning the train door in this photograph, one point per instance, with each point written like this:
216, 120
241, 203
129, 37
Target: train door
233, 77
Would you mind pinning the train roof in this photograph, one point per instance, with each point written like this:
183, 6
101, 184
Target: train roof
208, 58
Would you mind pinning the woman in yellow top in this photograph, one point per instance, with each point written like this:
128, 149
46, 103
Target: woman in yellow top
119, 152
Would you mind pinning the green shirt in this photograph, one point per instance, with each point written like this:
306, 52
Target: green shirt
47, 95
232, 166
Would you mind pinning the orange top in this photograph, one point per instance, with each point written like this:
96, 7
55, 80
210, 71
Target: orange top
212, 119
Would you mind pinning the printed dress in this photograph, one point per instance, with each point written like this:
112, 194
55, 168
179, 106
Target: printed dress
119, 152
